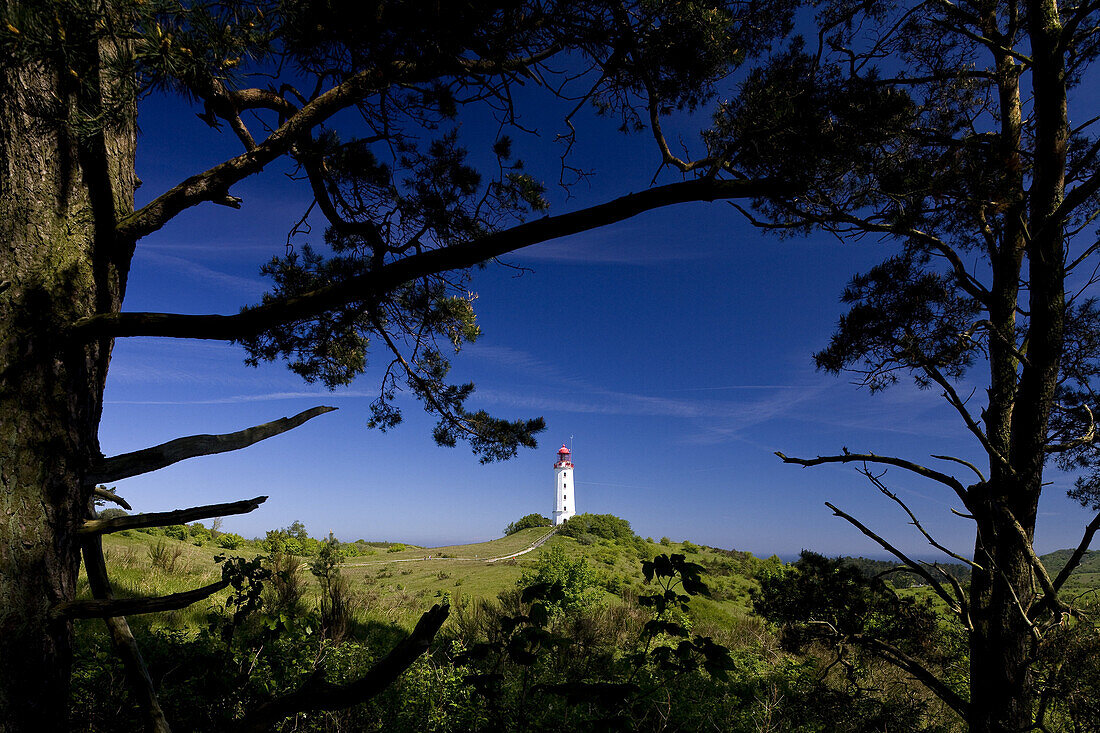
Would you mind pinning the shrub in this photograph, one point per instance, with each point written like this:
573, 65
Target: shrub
689, 547
531, 520
337, 601
396, 547
230, 541
576, 579
176, 532
666, 541
113, 512
284, 592
604, 526
199, 533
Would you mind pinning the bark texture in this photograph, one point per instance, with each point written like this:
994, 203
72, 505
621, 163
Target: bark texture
62, 188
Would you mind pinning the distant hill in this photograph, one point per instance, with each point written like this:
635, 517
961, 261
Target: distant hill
1085, 578
903, 579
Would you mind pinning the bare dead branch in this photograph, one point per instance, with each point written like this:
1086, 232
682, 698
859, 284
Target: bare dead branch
955, 401
1075, 559
376, 282
950, 481
125, 646
916, 522
1050, 593
126, 465
964, 604
104, 608
317, 694
968, 464
163, 519
902, 660
104, 493
916, 566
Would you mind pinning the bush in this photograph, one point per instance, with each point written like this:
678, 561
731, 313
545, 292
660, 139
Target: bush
666, 541
531, 520
396, 547
230, 541
576, 579
284, 592
689, 547
176, 532
336, 601
604, 526
113, 512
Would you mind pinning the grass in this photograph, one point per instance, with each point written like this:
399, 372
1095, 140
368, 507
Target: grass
397, 587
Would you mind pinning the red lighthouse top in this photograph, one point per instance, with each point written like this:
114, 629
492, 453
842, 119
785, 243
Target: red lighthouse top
564, 458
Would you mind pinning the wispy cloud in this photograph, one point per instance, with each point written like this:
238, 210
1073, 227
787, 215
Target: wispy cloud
624, 245
719, 420
252, 286
238, 399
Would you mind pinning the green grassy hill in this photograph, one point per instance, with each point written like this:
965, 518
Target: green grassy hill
395, 583
1086, 578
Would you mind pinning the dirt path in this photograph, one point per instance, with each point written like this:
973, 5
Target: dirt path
533, 546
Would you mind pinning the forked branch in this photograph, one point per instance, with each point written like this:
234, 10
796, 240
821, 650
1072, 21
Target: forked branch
902, 660
163, 519
126, 465
105, 608
915, 566
947, 480
877, 481
1075, 559
104, 493
317, 694
373, 283
125, 646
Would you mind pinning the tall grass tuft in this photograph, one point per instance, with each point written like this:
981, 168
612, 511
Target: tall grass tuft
164, 557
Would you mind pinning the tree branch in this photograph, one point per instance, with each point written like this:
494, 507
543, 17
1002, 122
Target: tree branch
125, 646
320, 695
126, 465
105, 608
968, 464
104, 493
916, 567
459, 256
916, 522
1086, 438
950, 481
970, 284
955, 401
163, 519
902, 660
1075, 558
215, 182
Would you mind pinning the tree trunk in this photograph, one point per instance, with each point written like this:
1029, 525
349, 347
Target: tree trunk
1001, 694
63, 185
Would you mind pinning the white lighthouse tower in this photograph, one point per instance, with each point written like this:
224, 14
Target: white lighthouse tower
564, 505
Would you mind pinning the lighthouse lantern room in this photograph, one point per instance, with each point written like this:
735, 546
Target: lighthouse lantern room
564, 504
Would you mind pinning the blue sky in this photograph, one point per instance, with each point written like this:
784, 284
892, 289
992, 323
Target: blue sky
673, 348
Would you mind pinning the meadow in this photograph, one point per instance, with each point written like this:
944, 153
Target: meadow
591, 624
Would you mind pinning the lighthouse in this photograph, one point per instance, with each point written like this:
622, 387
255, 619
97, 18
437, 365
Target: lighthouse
564, 504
